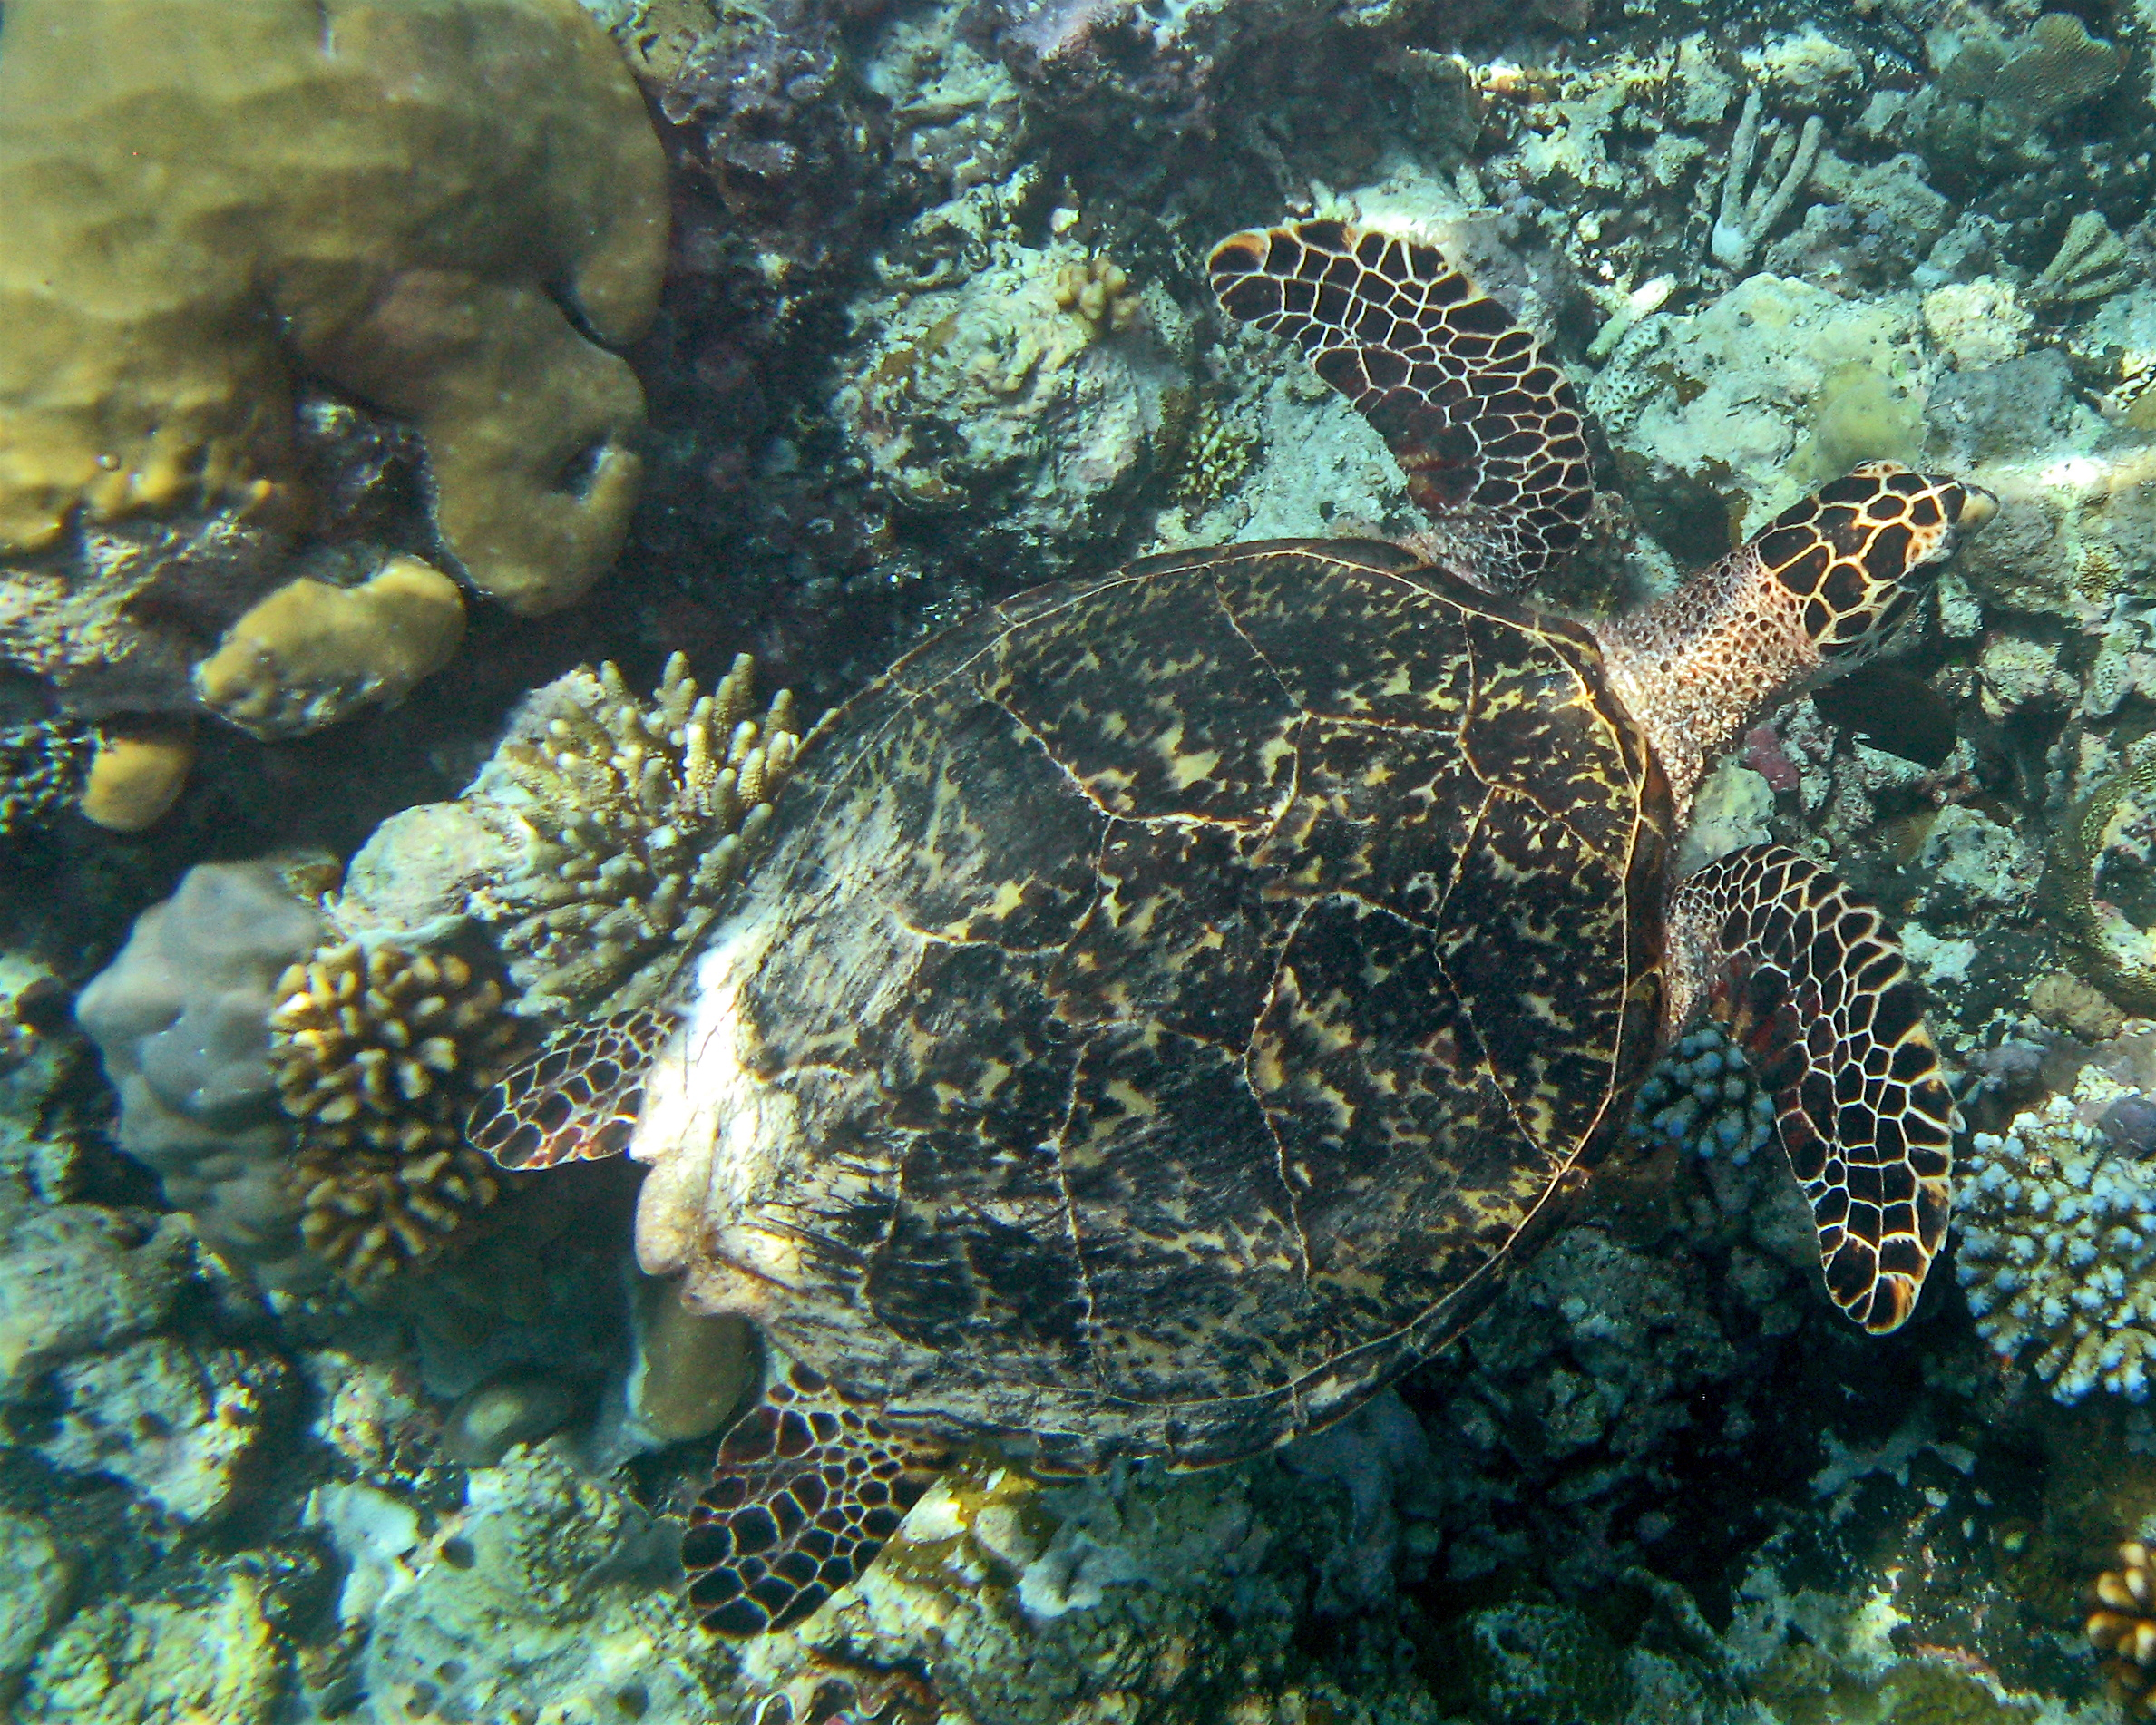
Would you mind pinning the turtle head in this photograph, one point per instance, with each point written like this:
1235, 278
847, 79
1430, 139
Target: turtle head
1821, 585
1856, 554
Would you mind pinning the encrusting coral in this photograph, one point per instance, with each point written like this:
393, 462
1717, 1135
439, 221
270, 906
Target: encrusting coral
637, 816
378, 1054
2123, 1628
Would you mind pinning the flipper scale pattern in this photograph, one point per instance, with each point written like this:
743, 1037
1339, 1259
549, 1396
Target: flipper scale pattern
1821, 998
577, 1100
807, 1488
1489, 433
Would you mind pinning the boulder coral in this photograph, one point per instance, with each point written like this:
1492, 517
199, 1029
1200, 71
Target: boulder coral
216, 214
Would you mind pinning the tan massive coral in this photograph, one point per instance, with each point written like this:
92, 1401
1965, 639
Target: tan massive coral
222, 220
201, 198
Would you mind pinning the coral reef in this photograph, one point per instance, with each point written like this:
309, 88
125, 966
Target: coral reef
379, 1053
216, 212
1996, 95
927, 340
570, 1562
215, 1656
1151, 1595
1756, 395
1026, 399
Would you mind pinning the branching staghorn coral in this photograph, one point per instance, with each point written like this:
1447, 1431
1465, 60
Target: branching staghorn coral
1746, 216
377, 1053
638, 816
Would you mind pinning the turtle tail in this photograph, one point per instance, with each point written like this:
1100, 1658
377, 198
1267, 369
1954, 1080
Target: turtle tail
1821, 999
1489, 433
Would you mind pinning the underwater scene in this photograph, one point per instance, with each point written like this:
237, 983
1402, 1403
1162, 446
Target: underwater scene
1078, 862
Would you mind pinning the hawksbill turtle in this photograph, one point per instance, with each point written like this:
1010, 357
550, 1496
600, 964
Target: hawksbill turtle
1171, 1000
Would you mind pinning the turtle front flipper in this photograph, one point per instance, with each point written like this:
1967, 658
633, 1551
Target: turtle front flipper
1488, 433
577, 1099
1821, 1000
807, 1488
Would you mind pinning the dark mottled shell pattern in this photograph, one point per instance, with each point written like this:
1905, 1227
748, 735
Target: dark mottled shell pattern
1278, 936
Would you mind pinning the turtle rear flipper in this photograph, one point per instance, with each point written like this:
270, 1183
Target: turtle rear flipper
1821, 1000
577, 1099
807, 1488
1488, 433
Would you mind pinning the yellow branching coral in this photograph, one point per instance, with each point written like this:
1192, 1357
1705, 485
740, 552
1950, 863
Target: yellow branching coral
2122, 1627
42, 767
639, 815
379, 1053
1100, 292
202, 200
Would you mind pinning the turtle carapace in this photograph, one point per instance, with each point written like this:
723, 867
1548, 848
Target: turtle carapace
1171, 1000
